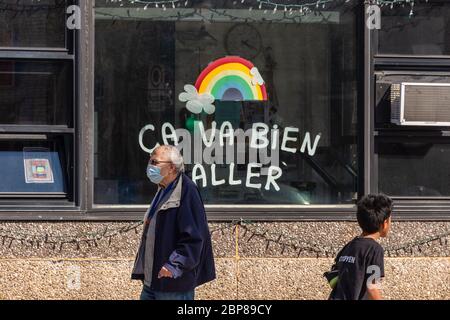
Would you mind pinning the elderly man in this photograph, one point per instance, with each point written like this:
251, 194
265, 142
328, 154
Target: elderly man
175, 255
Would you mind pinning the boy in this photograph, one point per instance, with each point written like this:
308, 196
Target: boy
360, 263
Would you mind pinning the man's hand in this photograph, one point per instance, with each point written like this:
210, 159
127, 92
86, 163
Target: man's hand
164, 273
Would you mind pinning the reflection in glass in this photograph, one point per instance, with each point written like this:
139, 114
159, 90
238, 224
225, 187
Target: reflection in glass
31, 23
35, 92
415, 169
426, 32
145, 58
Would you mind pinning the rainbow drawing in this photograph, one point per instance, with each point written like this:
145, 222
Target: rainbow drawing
232, 79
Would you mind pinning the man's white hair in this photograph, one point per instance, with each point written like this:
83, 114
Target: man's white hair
173, 155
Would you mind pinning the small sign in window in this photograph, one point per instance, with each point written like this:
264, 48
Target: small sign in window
37, 166
38, 171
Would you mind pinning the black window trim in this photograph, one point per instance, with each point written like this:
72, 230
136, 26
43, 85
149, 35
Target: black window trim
257, 212
36, 55
51, 200
86, 210
406, 208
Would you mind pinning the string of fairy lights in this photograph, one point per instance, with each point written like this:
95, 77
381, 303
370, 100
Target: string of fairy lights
289, 7
265, 10
91, 239
264, 6
261, 4
248, 231
293, 12
269, 5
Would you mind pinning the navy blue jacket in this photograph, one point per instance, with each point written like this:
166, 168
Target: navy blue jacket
182, 241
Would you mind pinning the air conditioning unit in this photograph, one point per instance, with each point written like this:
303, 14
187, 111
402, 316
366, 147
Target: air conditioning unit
420, 104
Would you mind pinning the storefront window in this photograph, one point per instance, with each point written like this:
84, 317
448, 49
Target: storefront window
32, 23
421, 29
282, 84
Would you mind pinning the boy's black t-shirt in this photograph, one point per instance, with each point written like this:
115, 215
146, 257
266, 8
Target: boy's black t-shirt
353, 263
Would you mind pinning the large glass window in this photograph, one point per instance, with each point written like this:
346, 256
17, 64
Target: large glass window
37, 114
260, 75
32, 23
417, 29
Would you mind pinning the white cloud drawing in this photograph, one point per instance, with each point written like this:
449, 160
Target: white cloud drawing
195, 102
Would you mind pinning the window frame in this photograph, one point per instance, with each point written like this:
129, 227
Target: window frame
85, 210
255, 212
405, 208
404, 58
10, 205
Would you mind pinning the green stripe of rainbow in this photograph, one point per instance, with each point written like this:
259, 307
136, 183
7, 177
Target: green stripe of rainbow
230, 73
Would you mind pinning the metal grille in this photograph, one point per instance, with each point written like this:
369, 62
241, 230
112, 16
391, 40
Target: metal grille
421, 104
427, 103
395, 103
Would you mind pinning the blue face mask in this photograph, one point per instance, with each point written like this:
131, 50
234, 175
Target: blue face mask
154, 174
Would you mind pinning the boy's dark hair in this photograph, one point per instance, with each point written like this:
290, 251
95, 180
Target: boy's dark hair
373, 210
